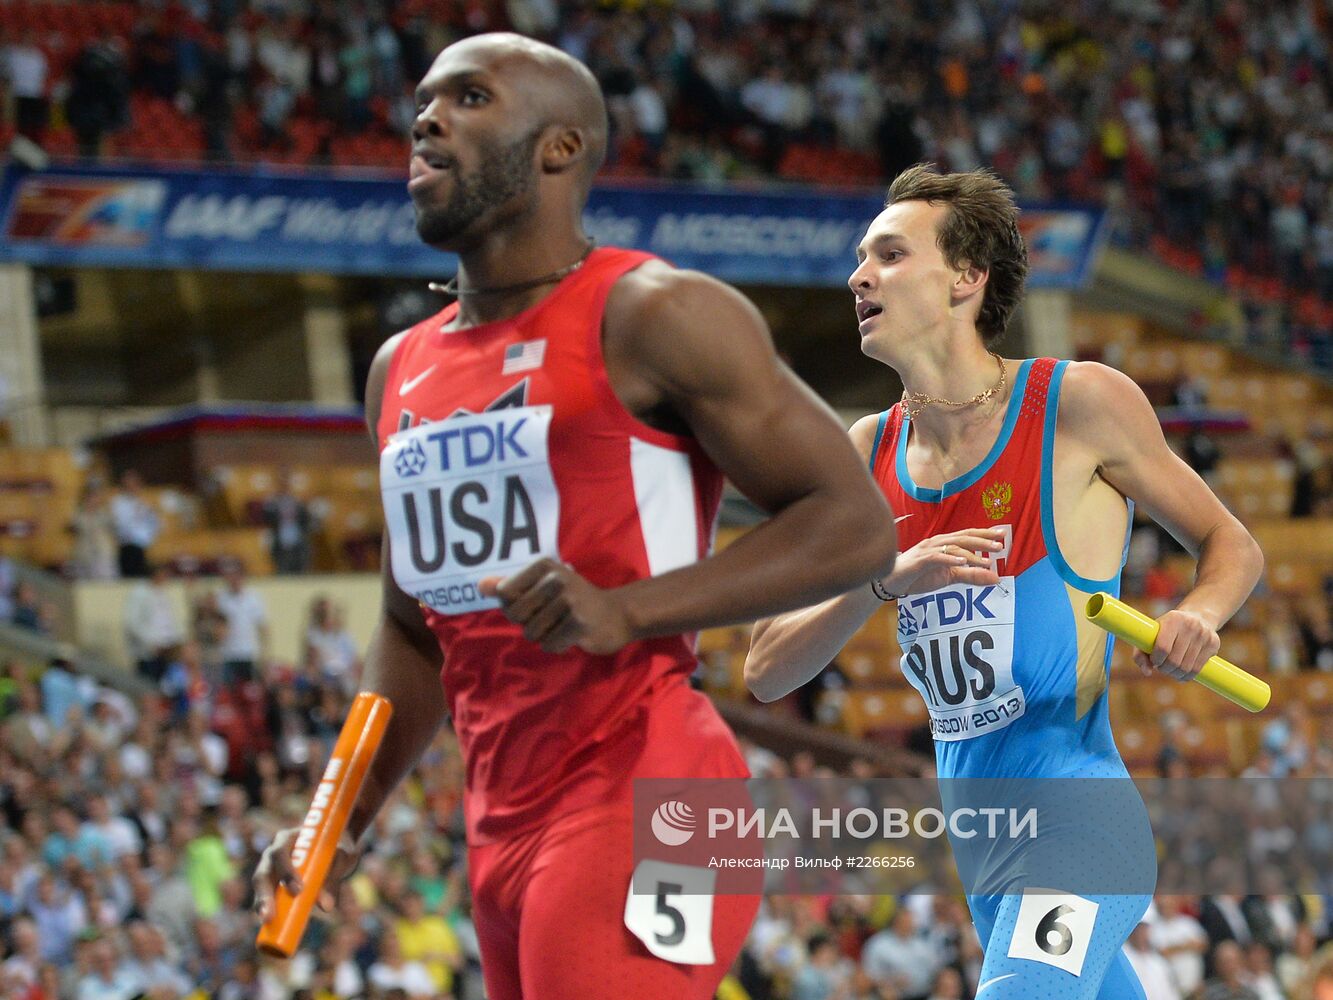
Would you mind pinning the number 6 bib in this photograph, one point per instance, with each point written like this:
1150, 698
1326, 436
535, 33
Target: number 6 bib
468, 498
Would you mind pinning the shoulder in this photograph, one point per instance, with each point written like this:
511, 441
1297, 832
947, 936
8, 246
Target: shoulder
379, 374
1089, 386
662, 295
1103, 405
864, 434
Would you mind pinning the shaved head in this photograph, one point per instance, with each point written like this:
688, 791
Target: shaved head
559, 90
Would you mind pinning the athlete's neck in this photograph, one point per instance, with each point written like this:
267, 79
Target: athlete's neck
504, 259
957, 375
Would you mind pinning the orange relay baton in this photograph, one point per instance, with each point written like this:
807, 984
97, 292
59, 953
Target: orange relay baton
323, 826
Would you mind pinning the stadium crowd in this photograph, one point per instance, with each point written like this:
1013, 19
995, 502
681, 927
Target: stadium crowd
130, 827
1205, 126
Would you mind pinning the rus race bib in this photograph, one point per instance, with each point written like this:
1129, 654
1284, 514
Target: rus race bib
958, 647
468, 498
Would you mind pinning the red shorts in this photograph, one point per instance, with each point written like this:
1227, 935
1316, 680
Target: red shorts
550, 905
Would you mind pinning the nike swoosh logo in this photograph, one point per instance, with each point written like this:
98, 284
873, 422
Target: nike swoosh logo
895, 521
991, 982
411, 383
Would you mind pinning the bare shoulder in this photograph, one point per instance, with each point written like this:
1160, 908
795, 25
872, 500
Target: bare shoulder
863, 434
1091, 383
665, 298
1097, 392
1106, 410
379, 374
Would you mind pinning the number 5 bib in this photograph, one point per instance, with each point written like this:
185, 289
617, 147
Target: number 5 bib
469, 498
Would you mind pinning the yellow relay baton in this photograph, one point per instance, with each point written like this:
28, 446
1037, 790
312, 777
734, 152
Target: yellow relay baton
1140, 631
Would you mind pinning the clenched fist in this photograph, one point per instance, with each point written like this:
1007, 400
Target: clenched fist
275, 869
559, 609
1185, 641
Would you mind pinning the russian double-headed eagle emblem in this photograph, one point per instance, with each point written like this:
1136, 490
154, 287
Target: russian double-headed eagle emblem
996, 500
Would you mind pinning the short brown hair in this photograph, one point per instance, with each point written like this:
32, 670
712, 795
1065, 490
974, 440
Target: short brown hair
980, 228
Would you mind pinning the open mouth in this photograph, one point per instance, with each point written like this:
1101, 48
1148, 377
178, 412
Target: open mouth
425, 162
864, 310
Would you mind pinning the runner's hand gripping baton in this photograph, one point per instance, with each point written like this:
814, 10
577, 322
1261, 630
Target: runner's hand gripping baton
317, 841
1140, 631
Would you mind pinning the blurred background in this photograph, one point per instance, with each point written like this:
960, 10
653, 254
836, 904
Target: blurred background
205, 238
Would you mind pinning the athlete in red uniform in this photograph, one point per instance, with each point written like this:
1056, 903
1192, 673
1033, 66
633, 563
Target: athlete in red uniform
550, 455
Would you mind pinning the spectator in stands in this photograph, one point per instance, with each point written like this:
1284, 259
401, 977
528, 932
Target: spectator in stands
118, 834
428, 938
208, 628
25, 957
290, 524
394, 972
330, 652
98, 98
948, 985
137, 525
247, 982
1202, 454
826, 974
901, 958
245, 644
7, 585
1282, 635
207, 866
96, 549
153, 627
24, 67
1315, 622
63, 696
1262, 979
185, 684
107, 979
29, 611
1181, 941
1294, 966
1152, 969
211, 963
148, 964
169, 902
148, 813
27, 733
1229, 981
58, 915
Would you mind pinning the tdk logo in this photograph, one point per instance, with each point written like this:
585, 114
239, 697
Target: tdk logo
479, 444
949, 607
411, 461
906, 620
673, 823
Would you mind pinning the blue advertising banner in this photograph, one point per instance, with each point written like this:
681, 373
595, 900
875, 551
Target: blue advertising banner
256, 221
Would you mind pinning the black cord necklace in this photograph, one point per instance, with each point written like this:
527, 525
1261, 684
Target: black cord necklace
451, 286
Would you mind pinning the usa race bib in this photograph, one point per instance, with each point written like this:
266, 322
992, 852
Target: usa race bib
469, 498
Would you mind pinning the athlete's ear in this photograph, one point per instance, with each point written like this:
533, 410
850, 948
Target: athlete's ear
969, 281
562, 150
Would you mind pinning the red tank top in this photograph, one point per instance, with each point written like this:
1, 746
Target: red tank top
504, 442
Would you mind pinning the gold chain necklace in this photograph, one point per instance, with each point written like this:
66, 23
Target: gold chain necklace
915, 402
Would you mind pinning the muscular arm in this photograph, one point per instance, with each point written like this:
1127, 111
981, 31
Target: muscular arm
790, 649
1103, 411
681, 342
402, 662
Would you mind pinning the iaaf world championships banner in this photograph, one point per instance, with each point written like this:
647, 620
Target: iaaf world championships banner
111, 216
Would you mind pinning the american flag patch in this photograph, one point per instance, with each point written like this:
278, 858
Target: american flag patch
523, 356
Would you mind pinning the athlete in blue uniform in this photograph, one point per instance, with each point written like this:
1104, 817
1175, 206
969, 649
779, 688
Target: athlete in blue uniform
1013, 482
